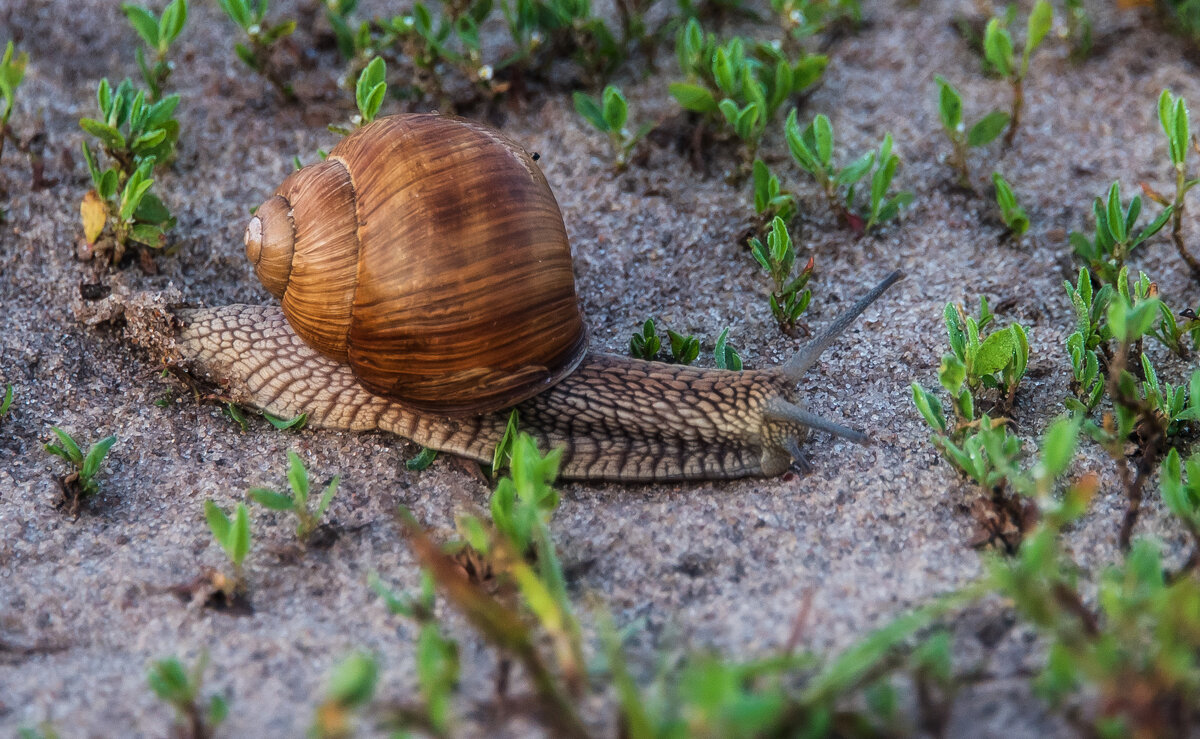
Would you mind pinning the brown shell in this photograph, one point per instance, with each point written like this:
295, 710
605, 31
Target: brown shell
429, 253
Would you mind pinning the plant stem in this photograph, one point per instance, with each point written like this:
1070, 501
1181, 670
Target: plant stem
1017, 103
1177, 222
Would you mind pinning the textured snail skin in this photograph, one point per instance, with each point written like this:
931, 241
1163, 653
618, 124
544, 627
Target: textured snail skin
616, 418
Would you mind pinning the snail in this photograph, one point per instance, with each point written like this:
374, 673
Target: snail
425, 287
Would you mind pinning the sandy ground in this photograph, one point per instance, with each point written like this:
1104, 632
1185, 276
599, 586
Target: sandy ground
872, 532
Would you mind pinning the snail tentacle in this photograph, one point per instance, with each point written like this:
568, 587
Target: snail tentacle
807, 356
779, 409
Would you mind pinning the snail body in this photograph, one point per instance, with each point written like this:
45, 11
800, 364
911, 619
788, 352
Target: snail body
426, 287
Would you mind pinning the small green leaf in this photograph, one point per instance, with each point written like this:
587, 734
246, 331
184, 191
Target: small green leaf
1041, 19
218, 522
994, 353
293, 424
353, 681
616, 110
298, 478
949, 105
240, 545
95, 457
987, 128
693, 97
422, 460
71, 449
143, 22
270, 499
587, 107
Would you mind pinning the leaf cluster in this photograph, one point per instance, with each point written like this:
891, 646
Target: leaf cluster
233, 535
1116, 234
1001, 58
745, 84
86, 465
609, 115
351, 687
1134, 652
1011, 212
369, 92
978, 445
251, 17
812, 148
158, 33
437, 659
790, 295
180, 687
307, 518
1173, 115
136, 135
647, 344
12, 71
770, 200
562, 28
981, 133
449, 38
804, 18
998, 44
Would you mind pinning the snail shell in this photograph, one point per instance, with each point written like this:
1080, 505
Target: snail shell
429, 254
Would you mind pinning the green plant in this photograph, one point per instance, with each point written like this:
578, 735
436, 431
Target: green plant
234, 537
308, 519
1126, 654
83, 477
791, 295
647, 343
1116, 237
769, 199
812, 149
564, 29
436, 660
745, 87
128, 213
882, 206
351, 687
1011, 212
422, 460
978, 445
609, 115
12, 71
369, 93
1091, 335
353, 41
503, 452
1182, 495
997, 361
1148, 406
158, 33
1079, 30
180, 687
1173, 114
262, 37
131, 129
1002, 59
136, 136
804, 18
6, 404
287, 424
725, 356
981, 133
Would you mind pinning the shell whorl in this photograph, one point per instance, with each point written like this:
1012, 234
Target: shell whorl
430, 254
